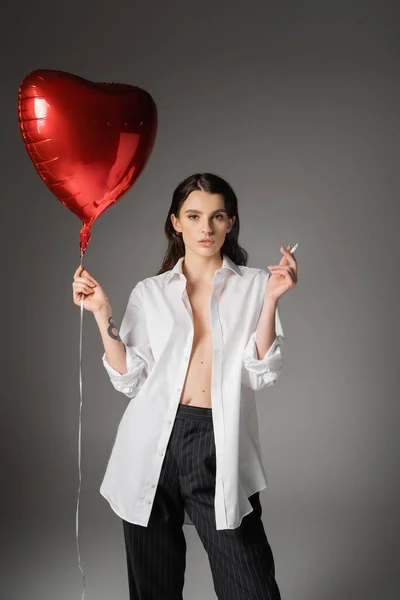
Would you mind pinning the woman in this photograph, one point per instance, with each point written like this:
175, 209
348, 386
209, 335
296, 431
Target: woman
196, 341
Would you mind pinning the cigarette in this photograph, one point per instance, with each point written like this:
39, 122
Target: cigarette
293, 249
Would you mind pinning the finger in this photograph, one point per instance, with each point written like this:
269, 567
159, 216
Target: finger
84, 293
79, 297
289, 254
86, 274
85, 280
287, 257
78, 271
275, 272
284, 273
82, 286
280, 271
286, 267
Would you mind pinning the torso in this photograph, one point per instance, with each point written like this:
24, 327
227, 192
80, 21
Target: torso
197, 387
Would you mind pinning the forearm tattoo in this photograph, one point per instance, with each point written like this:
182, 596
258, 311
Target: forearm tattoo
110, 330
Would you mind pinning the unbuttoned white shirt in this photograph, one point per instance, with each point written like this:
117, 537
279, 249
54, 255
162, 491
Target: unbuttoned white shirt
157, 329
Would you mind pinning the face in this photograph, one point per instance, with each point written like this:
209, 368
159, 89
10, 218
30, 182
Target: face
203, 215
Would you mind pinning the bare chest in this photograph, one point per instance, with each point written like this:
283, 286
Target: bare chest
197, 386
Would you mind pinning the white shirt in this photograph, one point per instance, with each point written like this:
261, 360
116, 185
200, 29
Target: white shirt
157, 329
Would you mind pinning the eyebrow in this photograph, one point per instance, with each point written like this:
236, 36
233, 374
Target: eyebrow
199, 211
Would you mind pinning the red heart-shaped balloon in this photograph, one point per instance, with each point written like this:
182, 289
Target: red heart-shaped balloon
88, 141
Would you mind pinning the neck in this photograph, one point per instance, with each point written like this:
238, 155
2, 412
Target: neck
200, 269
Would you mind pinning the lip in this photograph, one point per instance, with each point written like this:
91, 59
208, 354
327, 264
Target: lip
206, 242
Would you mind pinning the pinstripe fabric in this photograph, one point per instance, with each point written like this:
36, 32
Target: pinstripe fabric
241, 559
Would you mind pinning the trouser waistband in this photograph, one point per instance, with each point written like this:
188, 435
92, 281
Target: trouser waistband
198, 413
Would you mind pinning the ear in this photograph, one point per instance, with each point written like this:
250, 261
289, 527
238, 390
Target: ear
176, 224
230, 227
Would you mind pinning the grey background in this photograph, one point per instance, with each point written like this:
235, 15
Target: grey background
296, 105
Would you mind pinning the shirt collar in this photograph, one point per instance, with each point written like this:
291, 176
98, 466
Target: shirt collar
227, 264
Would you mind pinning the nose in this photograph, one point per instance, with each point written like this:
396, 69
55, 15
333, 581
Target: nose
207, 228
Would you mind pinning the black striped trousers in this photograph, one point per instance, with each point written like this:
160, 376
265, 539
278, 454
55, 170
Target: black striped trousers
241, 559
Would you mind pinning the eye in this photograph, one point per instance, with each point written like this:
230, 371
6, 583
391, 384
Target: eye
217, 215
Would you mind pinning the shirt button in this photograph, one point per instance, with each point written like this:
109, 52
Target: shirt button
161, 453
169, 422
178, 389
148, 501
152, 485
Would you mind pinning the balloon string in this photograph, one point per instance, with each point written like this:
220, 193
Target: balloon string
79, 442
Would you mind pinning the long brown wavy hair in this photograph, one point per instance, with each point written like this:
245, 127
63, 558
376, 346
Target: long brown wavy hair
212, 184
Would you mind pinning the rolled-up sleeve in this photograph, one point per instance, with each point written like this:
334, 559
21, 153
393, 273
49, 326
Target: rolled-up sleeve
259, 373
139, 357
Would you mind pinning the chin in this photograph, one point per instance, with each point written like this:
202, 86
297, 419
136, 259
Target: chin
211, 249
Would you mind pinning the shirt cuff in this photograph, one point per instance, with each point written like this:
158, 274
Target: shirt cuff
127, 381
272, 361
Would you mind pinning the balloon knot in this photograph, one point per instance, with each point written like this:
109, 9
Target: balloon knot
84, 238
